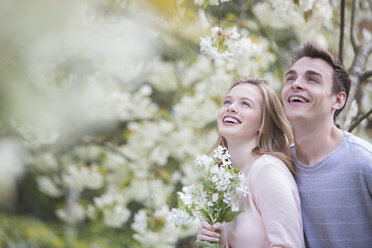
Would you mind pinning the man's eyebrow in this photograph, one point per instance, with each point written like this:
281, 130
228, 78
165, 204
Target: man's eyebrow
310, 72
290, 72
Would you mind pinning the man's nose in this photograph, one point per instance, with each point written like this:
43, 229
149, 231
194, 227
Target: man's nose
297, 84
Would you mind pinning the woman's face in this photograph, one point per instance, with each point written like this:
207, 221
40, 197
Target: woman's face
240, 116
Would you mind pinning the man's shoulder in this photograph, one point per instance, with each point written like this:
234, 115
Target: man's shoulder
359, 152
358, 143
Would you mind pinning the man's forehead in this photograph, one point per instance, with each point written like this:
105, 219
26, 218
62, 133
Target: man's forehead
310, 64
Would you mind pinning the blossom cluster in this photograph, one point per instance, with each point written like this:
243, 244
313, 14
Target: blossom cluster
235, 50
217, 200
152, 227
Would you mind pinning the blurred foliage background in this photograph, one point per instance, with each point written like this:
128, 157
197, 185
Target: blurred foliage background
104, 104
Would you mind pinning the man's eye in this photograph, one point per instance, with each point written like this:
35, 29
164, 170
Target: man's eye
289, 79
313, 80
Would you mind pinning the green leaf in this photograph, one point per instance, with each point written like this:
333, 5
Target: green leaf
205, 185
180, 203
205, 244
189, 212
230, 215
208, 216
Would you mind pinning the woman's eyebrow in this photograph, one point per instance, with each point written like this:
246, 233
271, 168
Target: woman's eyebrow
248, 99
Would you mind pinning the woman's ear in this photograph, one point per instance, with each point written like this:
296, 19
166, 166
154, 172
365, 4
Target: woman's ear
339, 100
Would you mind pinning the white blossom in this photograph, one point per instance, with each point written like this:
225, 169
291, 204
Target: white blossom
203, 161
179, 217
46, 162
186, 195
83, 177
234, 208
72, 214
227, 198
160, 237
48, 187
115, 216
110, 198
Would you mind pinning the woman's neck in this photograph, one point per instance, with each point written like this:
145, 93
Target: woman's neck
241, 153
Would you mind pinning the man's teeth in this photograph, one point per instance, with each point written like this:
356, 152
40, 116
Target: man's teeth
297, 99
231, 120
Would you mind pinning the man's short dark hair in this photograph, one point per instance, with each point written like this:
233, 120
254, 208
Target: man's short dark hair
341, 79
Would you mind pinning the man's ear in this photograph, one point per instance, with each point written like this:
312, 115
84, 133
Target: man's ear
339, 100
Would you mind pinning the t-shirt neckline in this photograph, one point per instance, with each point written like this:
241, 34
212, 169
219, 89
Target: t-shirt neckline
322, 162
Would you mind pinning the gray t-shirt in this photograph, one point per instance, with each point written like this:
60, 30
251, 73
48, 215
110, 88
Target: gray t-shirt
336, 196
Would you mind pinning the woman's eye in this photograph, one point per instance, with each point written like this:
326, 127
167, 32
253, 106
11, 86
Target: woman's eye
226, 102
246, 104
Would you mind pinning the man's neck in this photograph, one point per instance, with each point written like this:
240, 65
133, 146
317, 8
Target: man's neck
314, 141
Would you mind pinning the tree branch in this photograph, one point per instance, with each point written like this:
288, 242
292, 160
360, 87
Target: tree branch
365, 75
355, 72
353, 36
342, 28
359, 120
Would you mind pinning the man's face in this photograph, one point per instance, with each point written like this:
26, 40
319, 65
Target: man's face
307, 93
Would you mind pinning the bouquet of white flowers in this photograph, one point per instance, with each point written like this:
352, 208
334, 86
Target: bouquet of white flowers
216, 200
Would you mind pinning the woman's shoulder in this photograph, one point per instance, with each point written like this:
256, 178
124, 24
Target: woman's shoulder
270, 170
269, 164
269, 161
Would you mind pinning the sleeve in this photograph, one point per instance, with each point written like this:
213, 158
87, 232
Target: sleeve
276, 196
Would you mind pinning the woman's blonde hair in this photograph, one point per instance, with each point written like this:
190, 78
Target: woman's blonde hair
275, 134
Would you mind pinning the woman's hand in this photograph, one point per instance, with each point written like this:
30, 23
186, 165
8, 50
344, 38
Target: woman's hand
208, 232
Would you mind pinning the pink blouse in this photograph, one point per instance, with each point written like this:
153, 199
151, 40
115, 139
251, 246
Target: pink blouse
272, 213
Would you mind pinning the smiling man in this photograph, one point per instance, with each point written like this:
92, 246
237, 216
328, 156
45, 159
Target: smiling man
334, 167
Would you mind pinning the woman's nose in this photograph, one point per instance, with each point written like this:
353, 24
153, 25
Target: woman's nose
231, 108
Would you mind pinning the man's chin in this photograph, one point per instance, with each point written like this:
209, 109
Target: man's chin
294, 117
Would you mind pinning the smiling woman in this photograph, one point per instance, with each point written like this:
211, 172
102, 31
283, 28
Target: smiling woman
252, 125
240, 115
